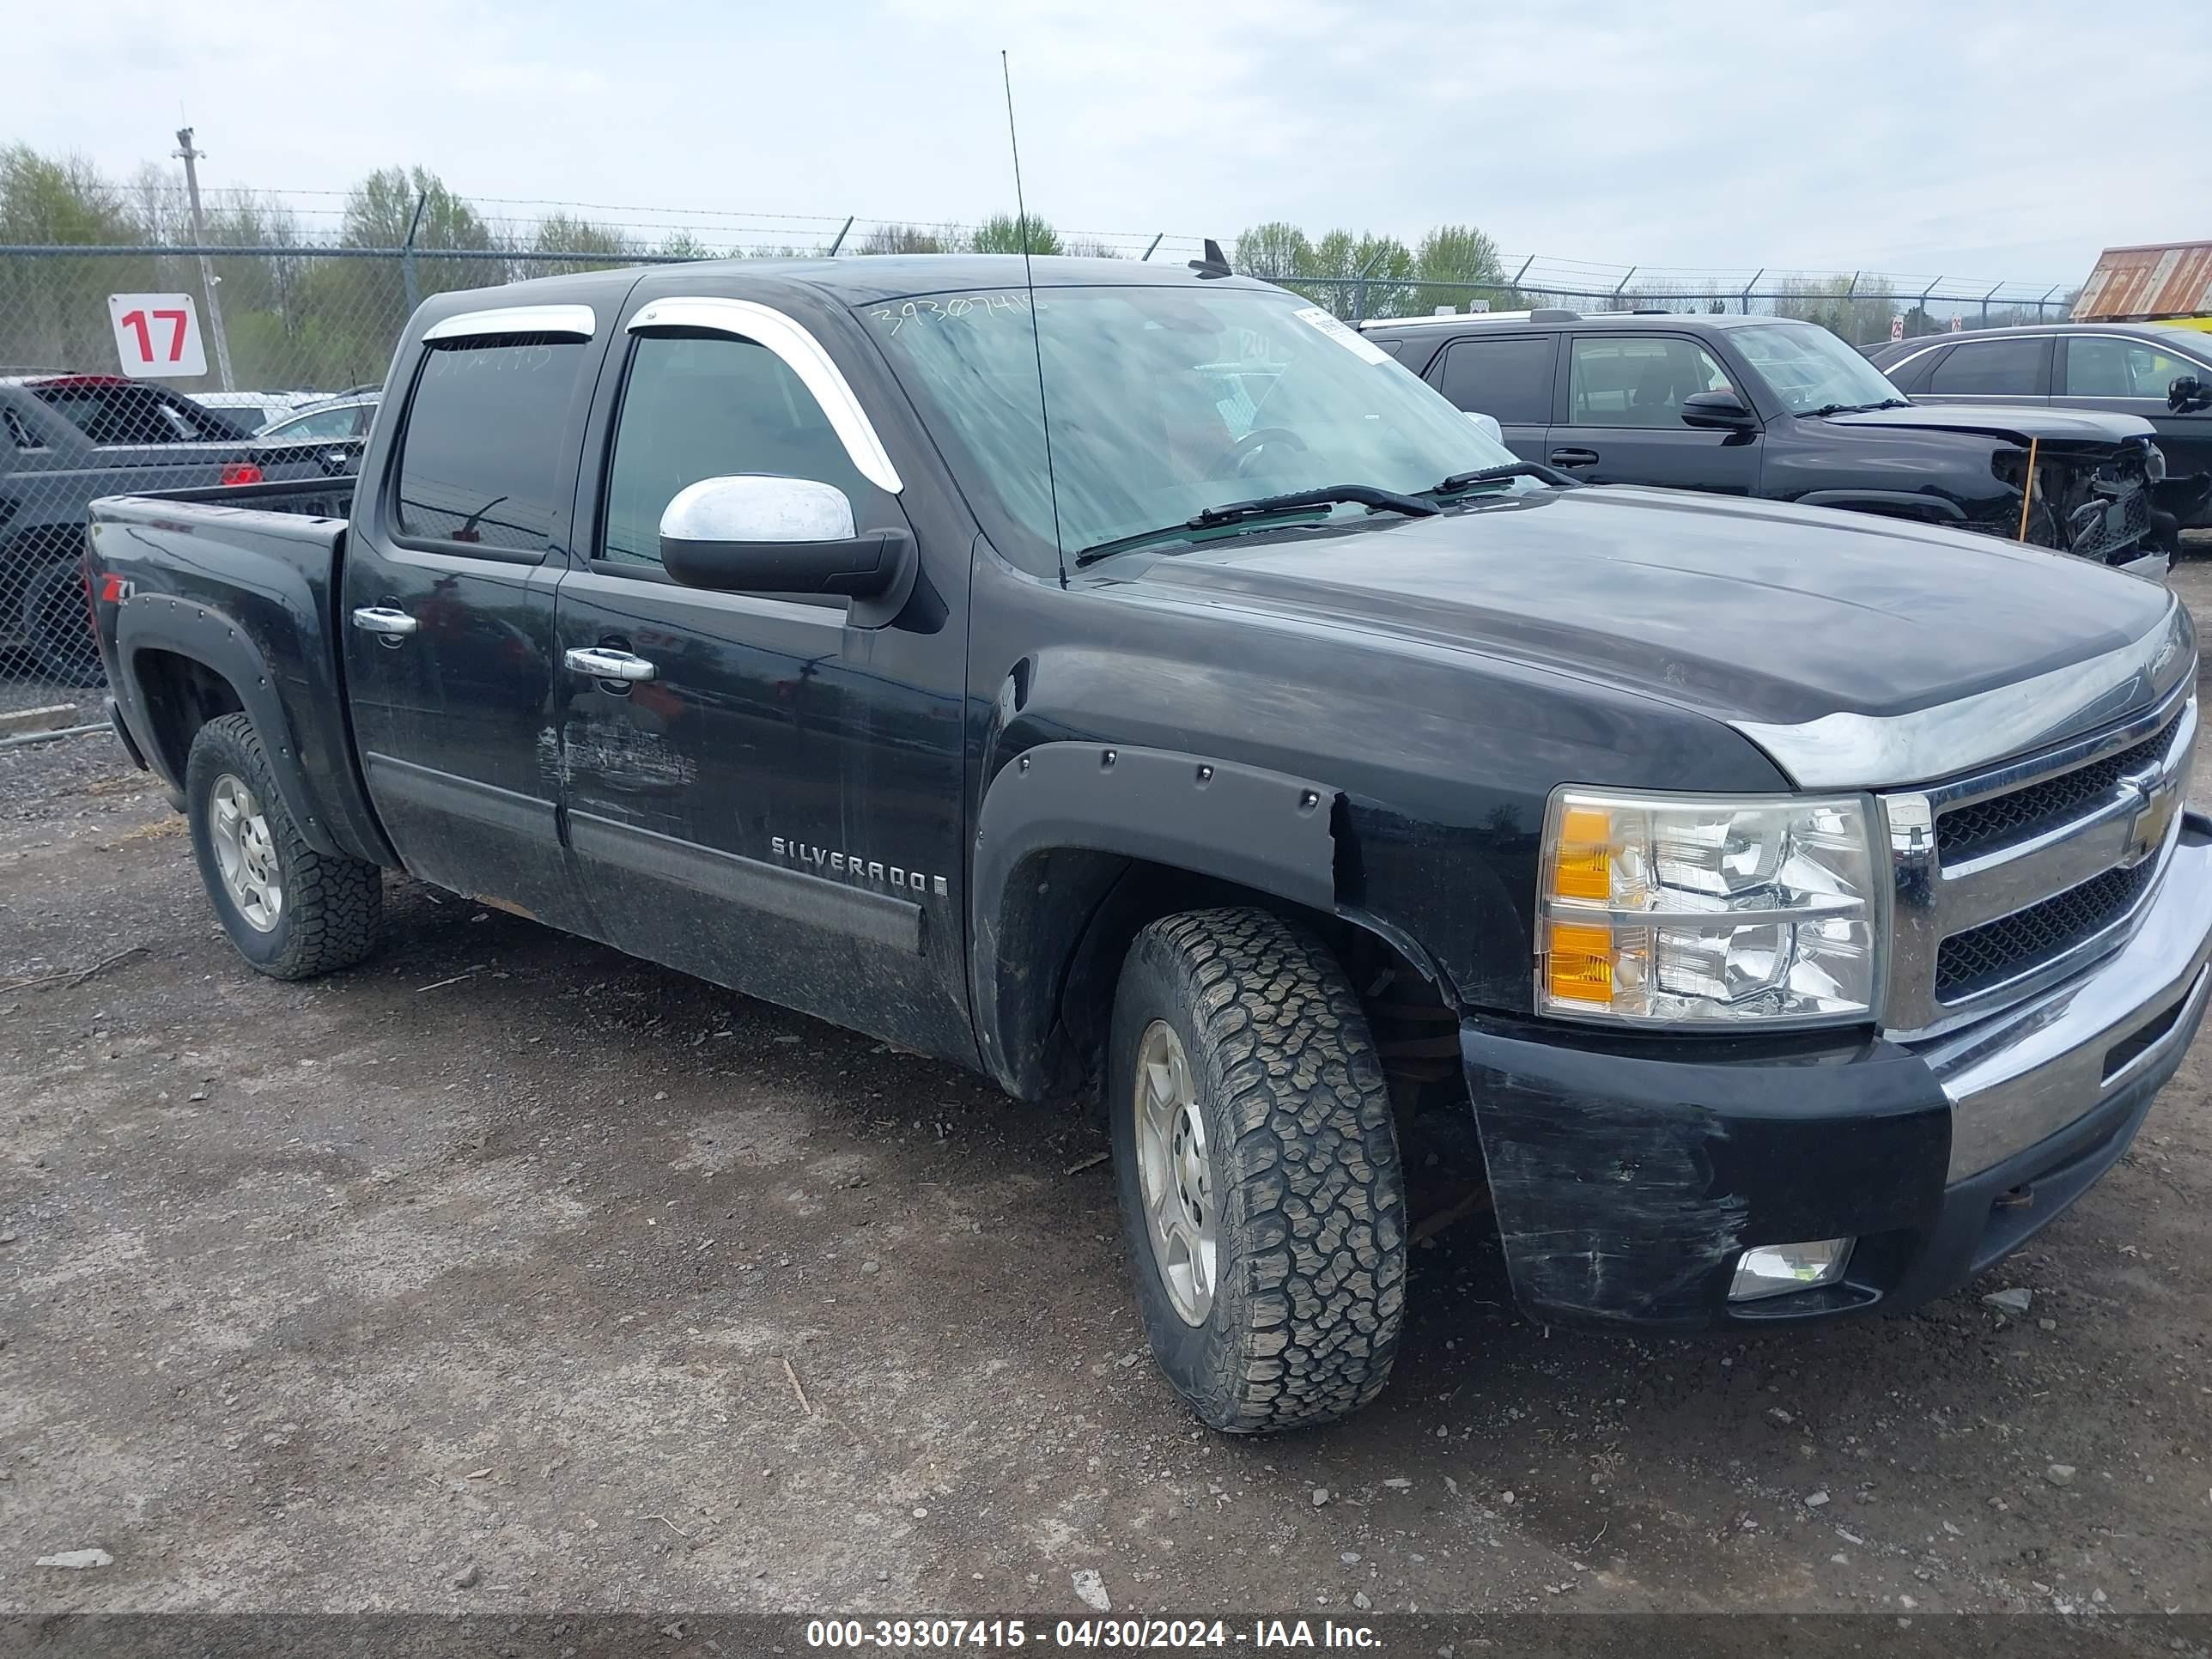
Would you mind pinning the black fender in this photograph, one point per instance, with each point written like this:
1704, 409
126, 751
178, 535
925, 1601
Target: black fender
1261, 829
1894, 503
160, 622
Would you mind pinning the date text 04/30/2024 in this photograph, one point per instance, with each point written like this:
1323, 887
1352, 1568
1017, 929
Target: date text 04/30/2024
948, 1634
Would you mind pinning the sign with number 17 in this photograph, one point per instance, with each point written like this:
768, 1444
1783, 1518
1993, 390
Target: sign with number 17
157, 335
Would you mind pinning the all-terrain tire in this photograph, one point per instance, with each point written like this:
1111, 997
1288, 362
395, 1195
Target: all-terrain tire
332, 904
1309, 1282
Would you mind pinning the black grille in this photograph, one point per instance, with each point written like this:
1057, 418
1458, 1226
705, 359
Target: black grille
1996, 951
1989, 825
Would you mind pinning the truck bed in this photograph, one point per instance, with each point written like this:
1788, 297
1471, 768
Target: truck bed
314, 498
230, 593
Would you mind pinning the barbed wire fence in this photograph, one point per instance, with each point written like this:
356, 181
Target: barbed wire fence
301, 311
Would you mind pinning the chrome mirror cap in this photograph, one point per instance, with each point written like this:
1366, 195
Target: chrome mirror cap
753, 507
1489, 426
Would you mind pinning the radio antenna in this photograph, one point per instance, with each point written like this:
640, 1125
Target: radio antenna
1037, 339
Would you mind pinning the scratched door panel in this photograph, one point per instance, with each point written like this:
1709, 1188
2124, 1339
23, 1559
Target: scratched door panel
451, 725
768, 809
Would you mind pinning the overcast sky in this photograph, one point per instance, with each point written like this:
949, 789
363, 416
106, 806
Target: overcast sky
2010, 140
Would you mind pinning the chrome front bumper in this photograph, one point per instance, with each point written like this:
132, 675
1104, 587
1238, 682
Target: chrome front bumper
2020, 1077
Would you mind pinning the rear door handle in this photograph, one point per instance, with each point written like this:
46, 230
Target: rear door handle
1574, 458
602, 663
383, 619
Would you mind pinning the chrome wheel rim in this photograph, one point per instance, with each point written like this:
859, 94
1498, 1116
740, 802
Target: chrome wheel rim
246, 853
1175, 1174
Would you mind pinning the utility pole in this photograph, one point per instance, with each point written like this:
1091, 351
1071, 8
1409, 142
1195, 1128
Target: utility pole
189, 155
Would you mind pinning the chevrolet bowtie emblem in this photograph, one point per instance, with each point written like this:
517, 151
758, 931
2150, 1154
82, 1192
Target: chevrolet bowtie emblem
2160, 798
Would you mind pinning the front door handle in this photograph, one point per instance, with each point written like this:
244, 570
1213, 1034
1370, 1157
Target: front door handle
385, 620
1574, 458
602, 663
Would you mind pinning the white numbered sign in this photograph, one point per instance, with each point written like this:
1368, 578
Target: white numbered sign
157, 335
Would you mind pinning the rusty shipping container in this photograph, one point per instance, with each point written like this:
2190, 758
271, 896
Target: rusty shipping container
2140, 284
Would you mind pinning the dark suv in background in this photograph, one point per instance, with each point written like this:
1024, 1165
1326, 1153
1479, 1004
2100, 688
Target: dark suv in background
2122, 368
1767, 407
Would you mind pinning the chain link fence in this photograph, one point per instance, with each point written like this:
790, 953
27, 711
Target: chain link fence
295, 342
297, 338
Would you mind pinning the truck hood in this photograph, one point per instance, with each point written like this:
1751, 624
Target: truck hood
2016, 421
1753, 612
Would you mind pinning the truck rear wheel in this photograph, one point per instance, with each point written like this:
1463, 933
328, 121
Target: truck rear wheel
292, 912
1257, 1166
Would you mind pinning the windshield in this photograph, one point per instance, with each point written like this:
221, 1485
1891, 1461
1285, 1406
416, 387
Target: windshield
1164, 401
1809, 368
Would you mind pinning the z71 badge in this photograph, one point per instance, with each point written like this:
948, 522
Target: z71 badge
831, 861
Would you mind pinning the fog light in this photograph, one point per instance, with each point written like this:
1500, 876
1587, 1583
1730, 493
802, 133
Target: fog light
1778, 1269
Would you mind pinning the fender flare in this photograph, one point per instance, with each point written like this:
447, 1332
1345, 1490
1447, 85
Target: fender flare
1934, 509
160, 622
1263, 829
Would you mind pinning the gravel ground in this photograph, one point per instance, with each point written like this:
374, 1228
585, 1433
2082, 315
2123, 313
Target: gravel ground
507, 1272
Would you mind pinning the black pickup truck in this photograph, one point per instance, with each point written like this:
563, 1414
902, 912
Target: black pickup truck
1802, 903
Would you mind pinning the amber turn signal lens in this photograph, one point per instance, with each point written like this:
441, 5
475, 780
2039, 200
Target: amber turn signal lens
1583, 867
1578, 965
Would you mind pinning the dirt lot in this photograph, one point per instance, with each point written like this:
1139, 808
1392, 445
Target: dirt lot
506, 1259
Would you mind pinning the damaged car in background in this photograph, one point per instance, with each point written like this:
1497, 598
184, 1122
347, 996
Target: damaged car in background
2151, 370
1770, 407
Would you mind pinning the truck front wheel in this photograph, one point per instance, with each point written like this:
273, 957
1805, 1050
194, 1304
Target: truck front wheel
292, 912
1257, 1167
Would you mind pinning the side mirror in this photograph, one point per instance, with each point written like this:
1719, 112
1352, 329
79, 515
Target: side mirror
1720, 410
2188, 395
1488, 424
759, 533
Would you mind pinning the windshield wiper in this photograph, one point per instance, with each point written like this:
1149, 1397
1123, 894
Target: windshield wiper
1265, 506
1857, 409
1482, 475
1325, 495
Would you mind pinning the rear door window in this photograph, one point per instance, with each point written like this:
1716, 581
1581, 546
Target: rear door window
1509, 379
1993, 368
482, 461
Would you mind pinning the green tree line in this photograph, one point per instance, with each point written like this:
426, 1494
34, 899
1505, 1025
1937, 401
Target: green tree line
306, 319
1367, 275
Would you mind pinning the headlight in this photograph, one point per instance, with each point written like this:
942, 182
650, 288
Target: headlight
2154, 464
1656, 909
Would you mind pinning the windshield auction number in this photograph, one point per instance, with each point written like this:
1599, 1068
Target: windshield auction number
960, 305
